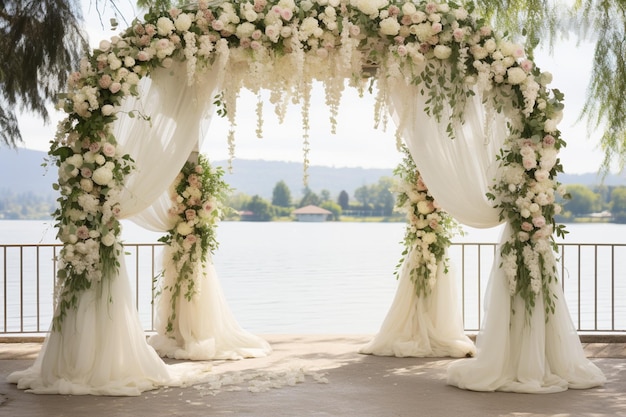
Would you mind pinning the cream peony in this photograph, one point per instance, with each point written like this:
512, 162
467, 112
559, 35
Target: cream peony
390, 26
183, 22
108, 239
165, 26
516, 75
442, 52
183, 228
102, 176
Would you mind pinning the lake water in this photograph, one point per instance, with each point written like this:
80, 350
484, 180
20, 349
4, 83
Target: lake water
290, 277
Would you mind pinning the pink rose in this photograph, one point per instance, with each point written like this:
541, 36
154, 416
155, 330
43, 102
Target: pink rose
108, 150
191, 239
85, 172
286, 14
431, 8
139, 29
82, 232
539, 221
193, 180
529, 163
94, 147
548, 140
143, 56
105, 81
527, 227
259, 5
217, 25
255, 45
190, 214
115, 87
527, 65
421, 185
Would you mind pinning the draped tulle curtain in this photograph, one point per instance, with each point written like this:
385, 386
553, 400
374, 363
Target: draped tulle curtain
513, 354
101, 348
457, 173
180, 117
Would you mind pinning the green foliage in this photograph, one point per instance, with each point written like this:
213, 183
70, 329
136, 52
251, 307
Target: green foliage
261, 209
343, 200
582, 200
281, 195
42, 41
604, 22
26, 206
309, 198
198, 194
332, 207
618, 201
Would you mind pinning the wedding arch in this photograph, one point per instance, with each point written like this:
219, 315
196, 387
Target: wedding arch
476, 114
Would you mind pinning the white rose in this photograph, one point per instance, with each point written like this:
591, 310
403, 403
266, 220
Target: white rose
515, 75
442, 52
408, 8
75, 160
107, 110
100, 159
183, 22
389, 26
108, 239
251, 15
183, 229
369, 7
460, 14
429, 238
129, 61
164, 26
545, 78
104, 45
102, 176
114, 62
423, 207
245, 30
550, 125
86, 185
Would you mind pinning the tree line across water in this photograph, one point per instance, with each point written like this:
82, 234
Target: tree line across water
368, 202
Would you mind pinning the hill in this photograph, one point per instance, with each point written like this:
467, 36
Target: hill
21, 171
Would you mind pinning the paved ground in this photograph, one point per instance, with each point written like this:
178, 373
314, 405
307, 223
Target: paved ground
323, 376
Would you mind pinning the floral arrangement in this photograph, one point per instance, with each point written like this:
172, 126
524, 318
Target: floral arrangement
526, 193
284, 46
198, 194
429, 230
91, 174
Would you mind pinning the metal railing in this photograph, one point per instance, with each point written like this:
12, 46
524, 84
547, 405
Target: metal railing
593, 278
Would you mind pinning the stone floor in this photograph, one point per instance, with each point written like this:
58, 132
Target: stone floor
323, 375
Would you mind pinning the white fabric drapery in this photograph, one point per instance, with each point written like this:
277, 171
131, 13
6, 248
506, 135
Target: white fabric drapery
541, 356
101, 348
422, 326
204, 327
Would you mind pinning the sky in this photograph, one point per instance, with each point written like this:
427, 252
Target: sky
356, 142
